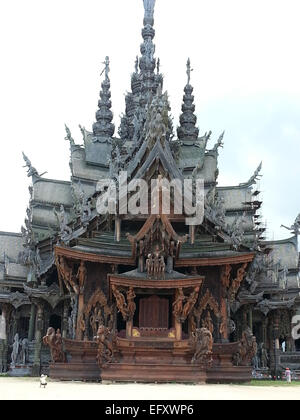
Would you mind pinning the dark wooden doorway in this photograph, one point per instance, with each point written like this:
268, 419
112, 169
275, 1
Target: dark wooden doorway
154, 312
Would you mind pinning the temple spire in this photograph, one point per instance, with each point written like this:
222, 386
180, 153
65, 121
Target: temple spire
149, 12
187, 131
147, 61
104, 127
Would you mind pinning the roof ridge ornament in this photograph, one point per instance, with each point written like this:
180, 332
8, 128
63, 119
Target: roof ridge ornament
31, 171
255, 177
295, 228
69, 137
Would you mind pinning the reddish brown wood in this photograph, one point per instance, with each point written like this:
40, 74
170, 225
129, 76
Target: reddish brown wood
200, 262
154, 312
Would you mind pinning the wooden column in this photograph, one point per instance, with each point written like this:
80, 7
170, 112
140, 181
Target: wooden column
250, 319
129, 326
118, 229
264, 331
178, 330
224, 324
36, 368
79, 332
192, 234
32, 322
65, 319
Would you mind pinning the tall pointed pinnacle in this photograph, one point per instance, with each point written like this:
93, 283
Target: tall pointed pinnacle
187, 131
147, 61
104, 127
149, 12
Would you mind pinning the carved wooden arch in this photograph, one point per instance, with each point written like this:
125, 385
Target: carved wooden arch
97, 297
207, 300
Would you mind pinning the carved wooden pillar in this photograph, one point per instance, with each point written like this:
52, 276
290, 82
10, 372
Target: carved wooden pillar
192, 234
118, 228
39, 327
276, 330
32, 322
65, 319
274, 348
129, 326
178, 330
80, 320
141, 265
224, 322
264, 331
250, 318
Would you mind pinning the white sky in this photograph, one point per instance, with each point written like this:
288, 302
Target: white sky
245, 56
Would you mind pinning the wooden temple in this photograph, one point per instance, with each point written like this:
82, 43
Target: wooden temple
135, 293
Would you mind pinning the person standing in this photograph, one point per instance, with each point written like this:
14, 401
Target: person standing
288, 375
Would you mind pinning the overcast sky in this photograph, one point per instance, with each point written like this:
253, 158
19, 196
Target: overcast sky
245, 56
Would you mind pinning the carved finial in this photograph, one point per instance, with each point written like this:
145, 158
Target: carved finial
295, 228
149, 8
31, 171
254, 177
106, 68
188, 70
104, 127
219, 142
187, 129
69, 136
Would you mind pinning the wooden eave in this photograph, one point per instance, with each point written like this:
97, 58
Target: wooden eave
121, 280
197, 262
76, 254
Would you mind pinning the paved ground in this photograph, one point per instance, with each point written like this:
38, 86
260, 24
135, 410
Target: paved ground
28, 389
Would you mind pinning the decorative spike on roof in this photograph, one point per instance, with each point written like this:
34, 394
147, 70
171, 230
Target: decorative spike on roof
149, 12
104, 127
147, 61
187, 129
69, 137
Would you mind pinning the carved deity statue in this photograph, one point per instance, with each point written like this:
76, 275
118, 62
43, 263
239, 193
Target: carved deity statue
188, 71
24, 351
190, 302
106, 345
247, 349
202, 344
65, 230
178, 304
95, 320
54, 341
82, 276
155, 264
180, 310
15, 350
121, 302
263, 356
131, 306
208, 323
